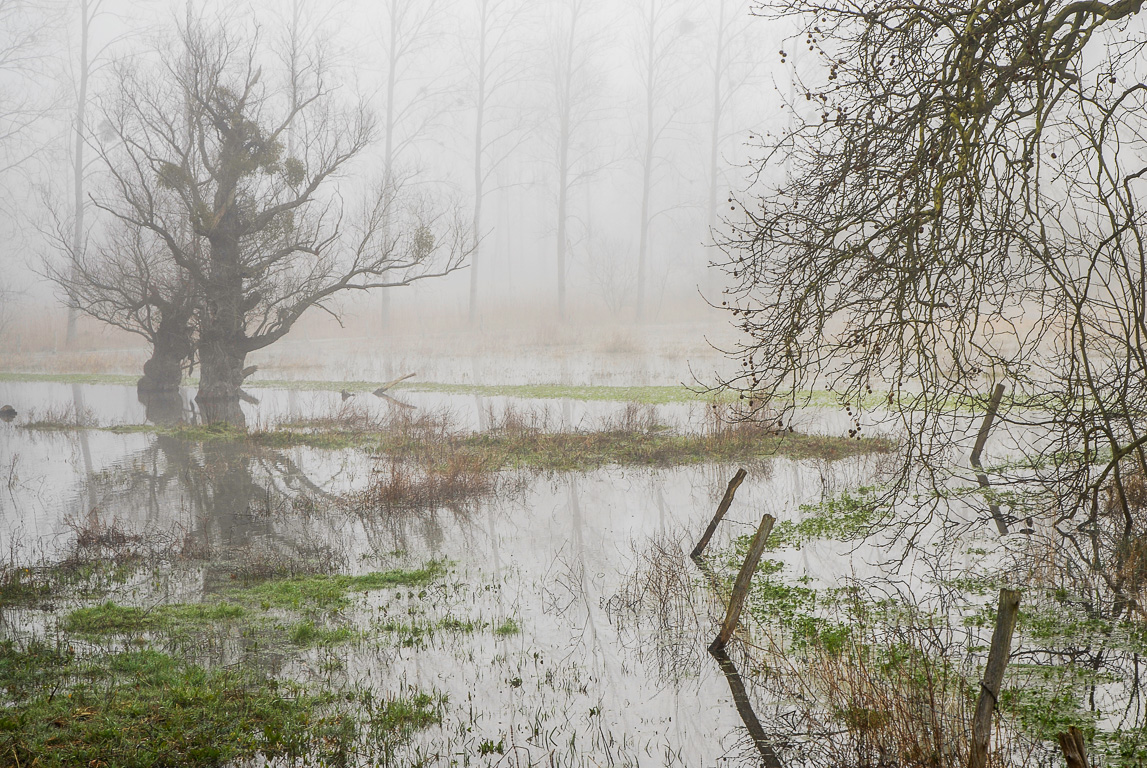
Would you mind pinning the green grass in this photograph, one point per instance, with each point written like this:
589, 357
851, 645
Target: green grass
112, 619
651, 395
415, 633
23, 586
507, 628
32, 587
70, 378
306, 633
145, 709
332, 592
558, 451
654, 395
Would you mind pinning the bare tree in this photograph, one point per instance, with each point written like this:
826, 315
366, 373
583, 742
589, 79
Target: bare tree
199, 147
23, 104
23, 30
85, 65
129, 280
575, 90
495, 65
411, 95
732, 64
963, 209
658, 44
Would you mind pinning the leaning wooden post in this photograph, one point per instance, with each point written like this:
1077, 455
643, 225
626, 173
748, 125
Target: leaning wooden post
741, 585
722, 508
981, 439
993, 676
1074, 748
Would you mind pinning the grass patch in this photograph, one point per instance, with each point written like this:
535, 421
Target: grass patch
23, 586
112, 619
414, 633
332, 592
507, 628
307, 633
70, 378
37, 586
145, 709
572, 451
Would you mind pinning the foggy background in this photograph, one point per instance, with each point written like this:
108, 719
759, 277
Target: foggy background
658, 100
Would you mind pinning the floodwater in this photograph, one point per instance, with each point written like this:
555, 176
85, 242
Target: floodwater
595, 676
607, 665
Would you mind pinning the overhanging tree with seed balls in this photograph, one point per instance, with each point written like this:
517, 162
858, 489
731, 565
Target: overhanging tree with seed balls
962, 207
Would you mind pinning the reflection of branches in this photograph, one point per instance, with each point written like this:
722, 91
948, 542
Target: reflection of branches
656, 611
236, 492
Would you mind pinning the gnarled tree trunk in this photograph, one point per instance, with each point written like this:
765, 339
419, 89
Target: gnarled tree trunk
171, 347
223, 342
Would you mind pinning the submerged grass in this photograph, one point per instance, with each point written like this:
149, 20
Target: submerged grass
114, 707
112, 619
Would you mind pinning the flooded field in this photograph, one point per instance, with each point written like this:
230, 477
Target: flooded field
451, 579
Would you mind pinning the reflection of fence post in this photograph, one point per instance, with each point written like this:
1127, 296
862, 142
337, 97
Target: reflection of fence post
722, 508
981, 438
741, 586
769, 757
993, 676
1074, 748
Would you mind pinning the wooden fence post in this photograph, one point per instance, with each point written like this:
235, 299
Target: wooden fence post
722, 508
981, 439
741, 585
1074, 748
993, 676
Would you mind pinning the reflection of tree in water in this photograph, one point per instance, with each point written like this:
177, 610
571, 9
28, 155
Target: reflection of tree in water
220, 499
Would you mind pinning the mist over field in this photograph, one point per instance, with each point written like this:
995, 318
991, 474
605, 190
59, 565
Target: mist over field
700, 383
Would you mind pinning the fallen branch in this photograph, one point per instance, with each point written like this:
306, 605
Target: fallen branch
381, 391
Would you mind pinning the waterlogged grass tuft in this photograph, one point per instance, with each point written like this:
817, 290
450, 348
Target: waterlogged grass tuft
332, 592
112, 619
307, 633
508, 627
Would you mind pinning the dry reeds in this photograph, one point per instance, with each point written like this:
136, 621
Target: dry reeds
656, 610
882, 691
398, 482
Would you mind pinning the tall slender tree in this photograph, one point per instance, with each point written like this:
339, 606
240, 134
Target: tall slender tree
733, 61
658, 44
23, 105
412, 89
496, 64
575, 90
87, 12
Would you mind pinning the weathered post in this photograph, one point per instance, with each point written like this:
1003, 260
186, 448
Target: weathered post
722, 508
741, 585
1074, 748
981, 439
993, 676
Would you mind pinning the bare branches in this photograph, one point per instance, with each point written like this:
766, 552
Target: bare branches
959, 211
226, 169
